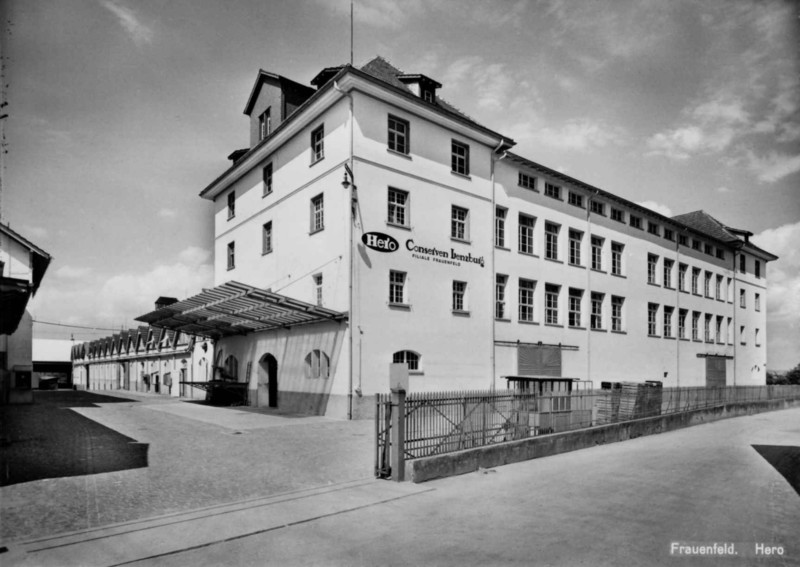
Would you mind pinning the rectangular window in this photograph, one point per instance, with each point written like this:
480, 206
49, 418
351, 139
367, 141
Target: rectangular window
500, 226
598, 208
317, 213
575, 298
616, 312
266, 177
683, 240
459, 293
575, 240
597, 252
398, 136
653, 228
266, 238
551, 240
742, 263
758, 302
397, 207
668, 312
318, 289
635, 222
265, 124
616, 258
757, 267
231, 204
695, 244
730, 331
695, 326
318, 144
551, 292
459, 223
500, 296
597, 310
397, 285
707, 285
718, 288
652, 263
231, 255
669, 234
527, 181
696, 281
526, 225
682, 313
707, 329
553, 191
575, 199
757, 338
459, 158
729, 292
617, 215
526, 289
718, 334
652, 314
742, 298
708, 249
668, 264
682, 268
720, 253
742, 338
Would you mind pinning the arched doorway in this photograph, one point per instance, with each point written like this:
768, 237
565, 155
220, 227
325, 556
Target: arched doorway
268, 376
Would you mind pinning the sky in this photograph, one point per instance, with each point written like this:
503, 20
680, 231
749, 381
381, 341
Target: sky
121, 111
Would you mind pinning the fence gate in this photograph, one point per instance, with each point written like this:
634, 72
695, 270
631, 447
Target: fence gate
383, 427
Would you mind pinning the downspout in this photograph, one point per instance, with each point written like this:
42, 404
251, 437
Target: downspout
678, 307
351, 215
492, 272
735, 310
589, 287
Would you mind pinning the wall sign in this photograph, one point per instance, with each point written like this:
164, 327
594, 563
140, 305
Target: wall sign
379, 242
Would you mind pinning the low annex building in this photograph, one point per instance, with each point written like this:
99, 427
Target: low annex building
412, 234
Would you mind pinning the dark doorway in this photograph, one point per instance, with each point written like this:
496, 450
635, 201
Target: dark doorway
269, 367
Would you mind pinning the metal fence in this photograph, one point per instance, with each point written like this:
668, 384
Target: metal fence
443, 422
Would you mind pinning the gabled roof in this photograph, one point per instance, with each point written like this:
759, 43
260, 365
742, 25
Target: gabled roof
262, 77
41, 259
705, 223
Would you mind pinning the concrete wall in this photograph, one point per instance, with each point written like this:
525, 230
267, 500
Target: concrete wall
462, 462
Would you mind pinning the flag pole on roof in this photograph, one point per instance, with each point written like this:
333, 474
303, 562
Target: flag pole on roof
351, 33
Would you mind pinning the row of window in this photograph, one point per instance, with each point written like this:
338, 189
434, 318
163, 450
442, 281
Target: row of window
716, 329
722, 290
399, 140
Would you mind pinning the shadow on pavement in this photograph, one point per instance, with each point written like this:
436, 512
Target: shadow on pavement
785, 459
47, 439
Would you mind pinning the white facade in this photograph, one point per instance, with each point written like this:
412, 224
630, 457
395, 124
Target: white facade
417, 268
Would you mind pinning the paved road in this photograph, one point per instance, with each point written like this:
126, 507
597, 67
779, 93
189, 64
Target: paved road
627, 503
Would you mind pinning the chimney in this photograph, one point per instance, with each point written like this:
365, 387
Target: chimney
162, 302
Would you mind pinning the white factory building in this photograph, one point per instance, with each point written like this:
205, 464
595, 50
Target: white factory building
369, 222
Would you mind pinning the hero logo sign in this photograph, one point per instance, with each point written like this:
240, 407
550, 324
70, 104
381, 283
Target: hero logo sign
379, 242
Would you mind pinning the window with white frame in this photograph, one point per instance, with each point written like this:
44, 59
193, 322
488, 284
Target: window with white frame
231, 204
729, 292
317, 213
708, 249
742, 263
266, 178
617, 215
682, 269
459, 223
707, 328
575, 199
652, 264
500, 296
231, 255
551, 240
695, 325
718, 288
266, 238
669, 234
459, 296
696, 244
526, 224
459, 157
575, 241
527, 181
653, 228
757, 301
742, 337
683, 240
526, 290
617, 304
596, 321
682, 313
318, 289
574, 307
742, 298
616, 258
597, 253
757, 270
398, 135
652, 315
668, 313
398, 207
551, 293
757, 337
707, 284
696, 281
397, 287
500, 226
635, 222
318, 144
730, 331
668, 265
598, 208
407, 357
317, 365
265, 124
720, 320
551, 190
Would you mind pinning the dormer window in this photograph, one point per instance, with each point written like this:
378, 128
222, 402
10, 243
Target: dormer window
427, 96
422, 86
265, 124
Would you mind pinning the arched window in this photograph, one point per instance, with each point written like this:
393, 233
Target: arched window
231, 368
317, 364
409, 357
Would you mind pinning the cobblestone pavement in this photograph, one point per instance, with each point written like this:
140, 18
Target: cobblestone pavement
197, 456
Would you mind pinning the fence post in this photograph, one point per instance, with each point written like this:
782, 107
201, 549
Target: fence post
398, 435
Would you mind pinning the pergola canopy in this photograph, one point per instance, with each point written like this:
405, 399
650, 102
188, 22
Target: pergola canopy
237, 309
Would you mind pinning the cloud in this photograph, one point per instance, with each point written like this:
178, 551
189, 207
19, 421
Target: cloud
723, 190
72, 272
168, 213
773, 166
579, 135
34, 232
657, 207
688, 141
377, 13
783, 294
139, 32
